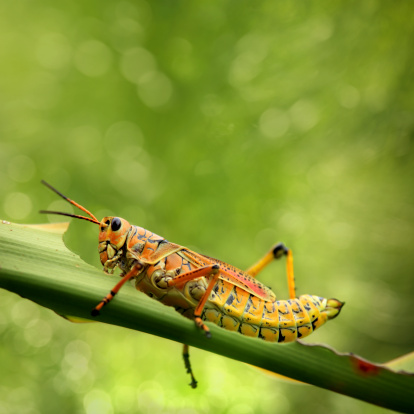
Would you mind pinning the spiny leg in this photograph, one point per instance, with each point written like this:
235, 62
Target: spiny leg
211, 270
276, 252
187, 364
132, 273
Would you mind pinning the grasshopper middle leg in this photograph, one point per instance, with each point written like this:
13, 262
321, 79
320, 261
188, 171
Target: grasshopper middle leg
213, 271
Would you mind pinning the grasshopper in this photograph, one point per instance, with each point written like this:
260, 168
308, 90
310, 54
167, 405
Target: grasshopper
202, 288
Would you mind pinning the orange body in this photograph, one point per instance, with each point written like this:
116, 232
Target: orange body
237, 302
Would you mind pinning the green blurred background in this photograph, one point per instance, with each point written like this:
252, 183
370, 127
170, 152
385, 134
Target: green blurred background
224, 127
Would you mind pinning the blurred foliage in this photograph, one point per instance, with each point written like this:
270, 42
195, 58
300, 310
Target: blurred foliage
225, 127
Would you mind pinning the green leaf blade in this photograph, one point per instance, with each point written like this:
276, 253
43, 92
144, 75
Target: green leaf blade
36, 264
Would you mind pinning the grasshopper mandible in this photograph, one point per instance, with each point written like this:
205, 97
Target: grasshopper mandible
203, 288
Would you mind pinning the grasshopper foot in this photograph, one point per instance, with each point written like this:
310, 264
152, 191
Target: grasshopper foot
200, 324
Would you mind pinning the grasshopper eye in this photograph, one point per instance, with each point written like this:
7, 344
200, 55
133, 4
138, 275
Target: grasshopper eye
116, 224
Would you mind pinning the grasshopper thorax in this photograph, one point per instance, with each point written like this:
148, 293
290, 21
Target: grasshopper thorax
112, 236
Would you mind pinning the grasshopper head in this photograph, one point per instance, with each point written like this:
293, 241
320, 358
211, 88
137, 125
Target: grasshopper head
112, 236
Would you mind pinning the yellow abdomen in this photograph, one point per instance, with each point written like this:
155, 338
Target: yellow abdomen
234, 309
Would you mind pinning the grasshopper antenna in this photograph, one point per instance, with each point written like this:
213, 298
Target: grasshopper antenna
93, 219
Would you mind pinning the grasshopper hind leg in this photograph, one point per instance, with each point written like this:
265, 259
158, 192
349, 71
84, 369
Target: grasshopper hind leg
187, 364
276, 252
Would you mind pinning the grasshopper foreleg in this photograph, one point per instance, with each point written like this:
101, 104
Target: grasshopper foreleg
132, 273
